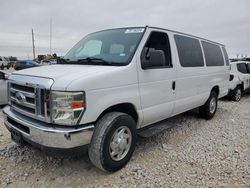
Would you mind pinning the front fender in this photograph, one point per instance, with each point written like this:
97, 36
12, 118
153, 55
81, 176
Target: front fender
97, 101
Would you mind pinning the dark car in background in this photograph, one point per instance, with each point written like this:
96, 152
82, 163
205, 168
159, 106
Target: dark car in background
25, 64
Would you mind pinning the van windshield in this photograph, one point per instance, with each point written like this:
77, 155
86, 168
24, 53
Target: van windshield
109, 47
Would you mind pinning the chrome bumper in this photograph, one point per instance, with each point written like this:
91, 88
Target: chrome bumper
45, 134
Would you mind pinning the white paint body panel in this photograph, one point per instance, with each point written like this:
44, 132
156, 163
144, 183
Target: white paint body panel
150, 91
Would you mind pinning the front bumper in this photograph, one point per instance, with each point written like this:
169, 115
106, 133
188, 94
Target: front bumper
45, 134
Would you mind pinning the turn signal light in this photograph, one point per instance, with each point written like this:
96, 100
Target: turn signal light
77, 104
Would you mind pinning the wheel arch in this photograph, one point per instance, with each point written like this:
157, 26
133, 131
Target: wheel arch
241, 85
127, 108
216, 89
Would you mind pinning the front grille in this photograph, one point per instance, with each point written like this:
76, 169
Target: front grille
30, 100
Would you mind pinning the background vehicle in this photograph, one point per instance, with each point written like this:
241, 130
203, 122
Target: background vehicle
12, 60
8, 61
48, 62
44, 62
3, 88
4, 63
25, 64
113, 85
239, 79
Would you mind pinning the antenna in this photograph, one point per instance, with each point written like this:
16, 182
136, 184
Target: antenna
50, 40
33, 44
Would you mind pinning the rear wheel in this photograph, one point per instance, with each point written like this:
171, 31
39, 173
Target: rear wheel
113, 141
237, 93
208, 110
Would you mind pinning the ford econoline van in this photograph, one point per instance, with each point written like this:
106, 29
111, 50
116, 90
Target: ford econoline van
112, 86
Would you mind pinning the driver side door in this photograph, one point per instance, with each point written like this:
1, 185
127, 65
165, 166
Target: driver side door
156, 83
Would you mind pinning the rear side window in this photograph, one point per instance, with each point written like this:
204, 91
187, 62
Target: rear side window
242, 68
225, 55
189, 51
213, 55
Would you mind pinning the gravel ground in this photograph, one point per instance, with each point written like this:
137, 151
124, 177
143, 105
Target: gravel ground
194, 153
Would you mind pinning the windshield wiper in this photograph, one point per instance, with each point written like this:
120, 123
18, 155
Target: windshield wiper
90, 61
97, 61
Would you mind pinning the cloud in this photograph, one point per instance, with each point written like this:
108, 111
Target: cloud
224, 21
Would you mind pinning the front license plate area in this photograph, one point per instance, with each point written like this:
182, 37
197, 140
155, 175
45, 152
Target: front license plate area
16, 136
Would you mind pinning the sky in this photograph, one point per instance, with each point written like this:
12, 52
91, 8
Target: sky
223, 21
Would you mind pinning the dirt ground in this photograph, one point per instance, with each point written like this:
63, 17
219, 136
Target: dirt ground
194, 153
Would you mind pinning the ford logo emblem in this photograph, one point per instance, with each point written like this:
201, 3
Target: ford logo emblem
20, 97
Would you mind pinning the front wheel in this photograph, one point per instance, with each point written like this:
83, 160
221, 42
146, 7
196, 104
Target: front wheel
208, 110
113, 141
2, 66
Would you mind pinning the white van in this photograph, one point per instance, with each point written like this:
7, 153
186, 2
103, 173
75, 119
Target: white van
112, 86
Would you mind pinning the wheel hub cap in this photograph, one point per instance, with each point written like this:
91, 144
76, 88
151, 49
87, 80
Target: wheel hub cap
120, 143
212, 105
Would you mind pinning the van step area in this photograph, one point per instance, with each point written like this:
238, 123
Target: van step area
155, 129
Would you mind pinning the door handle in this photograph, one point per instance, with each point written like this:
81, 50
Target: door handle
173, 85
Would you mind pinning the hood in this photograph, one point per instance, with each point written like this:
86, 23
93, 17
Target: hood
56, 72
65, 75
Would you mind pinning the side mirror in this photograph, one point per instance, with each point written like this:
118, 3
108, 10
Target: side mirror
2, 76
156, 59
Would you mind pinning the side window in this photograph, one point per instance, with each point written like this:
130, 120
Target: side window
242, 68
213, 54
225, 55
157, 41
189, 51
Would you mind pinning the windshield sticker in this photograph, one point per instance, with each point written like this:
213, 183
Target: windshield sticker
138, 30
122, 54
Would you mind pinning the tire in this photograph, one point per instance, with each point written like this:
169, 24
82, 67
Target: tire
209, 109
237, 93
106, 131
2, 67
8, 66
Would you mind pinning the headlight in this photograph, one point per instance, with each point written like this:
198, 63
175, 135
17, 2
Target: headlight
67, 107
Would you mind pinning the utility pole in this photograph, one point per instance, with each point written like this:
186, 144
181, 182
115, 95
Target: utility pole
33, 44
50, 40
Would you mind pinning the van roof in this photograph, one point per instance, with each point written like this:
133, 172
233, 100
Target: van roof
184, 34
165, 30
